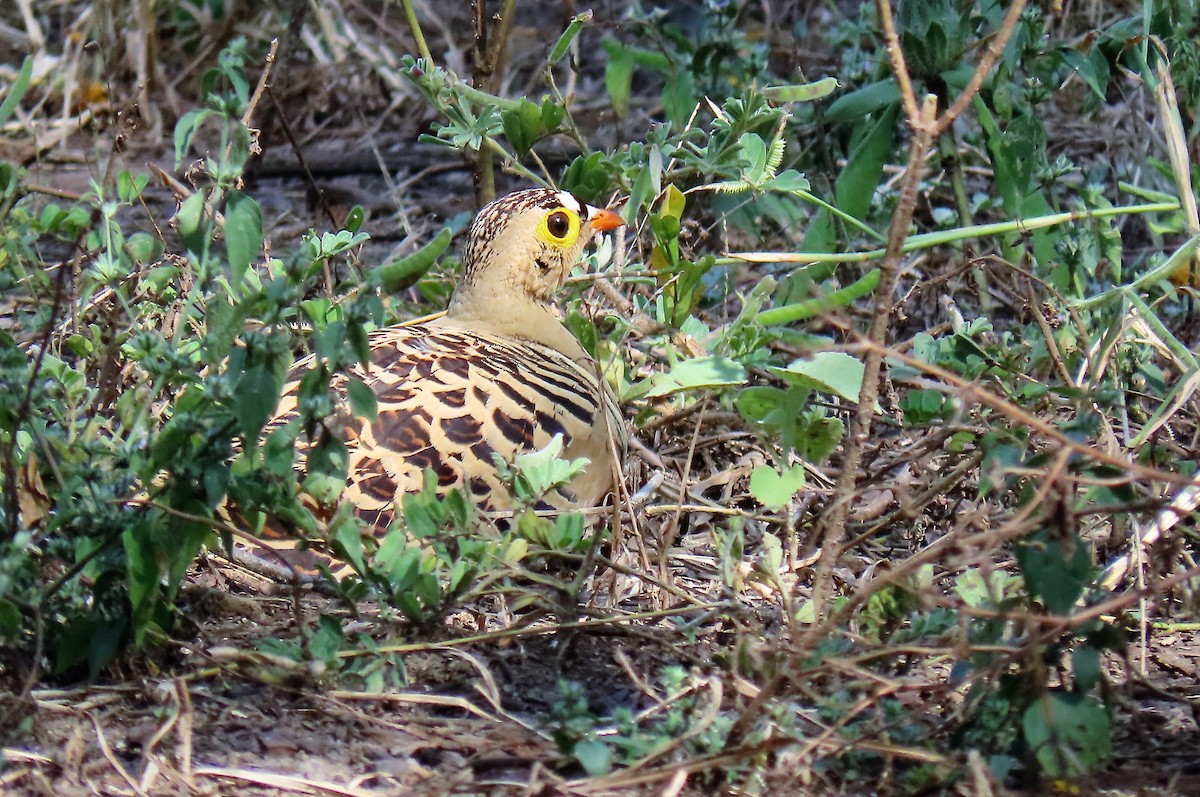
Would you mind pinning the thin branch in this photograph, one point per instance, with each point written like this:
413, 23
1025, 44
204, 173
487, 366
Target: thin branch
833, 530
899, 65
993, 52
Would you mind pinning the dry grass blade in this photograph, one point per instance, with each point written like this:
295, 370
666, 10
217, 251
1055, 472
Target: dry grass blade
284, 784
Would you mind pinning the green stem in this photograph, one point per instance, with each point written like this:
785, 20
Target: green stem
931, 239
414, 25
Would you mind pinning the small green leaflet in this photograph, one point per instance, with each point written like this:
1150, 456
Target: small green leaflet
773, 490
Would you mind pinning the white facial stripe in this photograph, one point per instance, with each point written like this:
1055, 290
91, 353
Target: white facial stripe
569, 202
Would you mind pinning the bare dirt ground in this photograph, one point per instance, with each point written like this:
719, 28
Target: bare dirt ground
214, 717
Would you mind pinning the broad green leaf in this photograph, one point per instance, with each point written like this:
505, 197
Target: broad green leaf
679, 97
859, 103
325, 644
759, 401
10, 618
773, 489
362, 398
618, 77
594, 756
523, 126
254, 401
186, 129
142, 565
701, 373
754, 150
828, 371
643, 190
279, 450
189, 221
1070, 734
790, 181
856, 184
243, 233
545, 469
347, 538
1086, 667
1053, 574
552, 115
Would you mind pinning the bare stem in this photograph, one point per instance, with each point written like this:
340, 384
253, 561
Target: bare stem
410, 15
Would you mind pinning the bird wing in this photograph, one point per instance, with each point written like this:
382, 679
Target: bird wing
450, 399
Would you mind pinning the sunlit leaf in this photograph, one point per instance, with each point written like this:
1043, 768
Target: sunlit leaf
828, 371
773, 489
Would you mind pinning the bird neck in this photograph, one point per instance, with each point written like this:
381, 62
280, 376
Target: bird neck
512, 316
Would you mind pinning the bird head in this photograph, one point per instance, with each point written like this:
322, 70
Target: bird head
523, 245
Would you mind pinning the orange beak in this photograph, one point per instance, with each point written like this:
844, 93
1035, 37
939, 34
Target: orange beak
604, 220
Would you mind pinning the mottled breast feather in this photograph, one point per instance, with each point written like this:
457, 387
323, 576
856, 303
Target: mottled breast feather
448, 400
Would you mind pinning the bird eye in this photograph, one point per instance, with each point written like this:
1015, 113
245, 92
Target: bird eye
558, 223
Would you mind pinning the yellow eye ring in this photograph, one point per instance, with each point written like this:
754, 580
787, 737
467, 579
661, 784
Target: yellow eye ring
559, 227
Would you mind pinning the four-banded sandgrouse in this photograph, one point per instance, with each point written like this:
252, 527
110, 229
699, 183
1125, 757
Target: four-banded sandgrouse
499, 374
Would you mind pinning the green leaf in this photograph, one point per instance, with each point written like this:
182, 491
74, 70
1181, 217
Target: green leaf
243, 233
773, 489
594, 756
189, 220
17, 90
587, 178
142, 565
639, 195
1052, 575
279, 450
564, 41
362, 398
523, 126
754, 150
818, 437
679, 98
328, 639
801, 92
618, 76
859, 103
828, 371
1086, 667
186, 129
543, 470
552, 116
1070, 734
10, 618
788, 182
255, 399
346, 536
758, 402
701, 373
